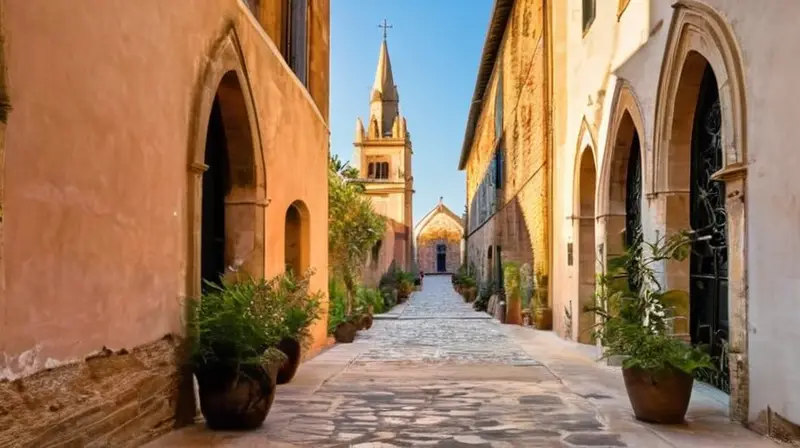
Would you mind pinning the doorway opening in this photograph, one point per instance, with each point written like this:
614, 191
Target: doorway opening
216, 185
695, 155
708, 263
441, 258
586, 246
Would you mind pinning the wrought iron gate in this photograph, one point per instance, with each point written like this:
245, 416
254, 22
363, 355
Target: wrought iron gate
633, 206
709, 258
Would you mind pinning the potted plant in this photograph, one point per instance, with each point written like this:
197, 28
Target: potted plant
511, 280
636, 315
301, 310
234, 328
542, 313
341, 322
405, 285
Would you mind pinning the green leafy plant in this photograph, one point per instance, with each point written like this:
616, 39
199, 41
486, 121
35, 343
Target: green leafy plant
636, 314
369, 298
337, 305
526, 280
464, 276
485, 292
353, 228
301, 307
236, 323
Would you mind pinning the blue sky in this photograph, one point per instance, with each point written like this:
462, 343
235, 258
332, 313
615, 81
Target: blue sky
435, 47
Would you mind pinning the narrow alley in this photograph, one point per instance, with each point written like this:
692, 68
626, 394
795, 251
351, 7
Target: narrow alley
433, 372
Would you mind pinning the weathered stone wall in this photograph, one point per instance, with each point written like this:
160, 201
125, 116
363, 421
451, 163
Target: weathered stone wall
122, 398
521, 217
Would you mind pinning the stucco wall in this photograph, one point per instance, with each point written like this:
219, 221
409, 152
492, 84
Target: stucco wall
96, 219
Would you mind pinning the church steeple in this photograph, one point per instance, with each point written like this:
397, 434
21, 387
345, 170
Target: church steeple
384, 102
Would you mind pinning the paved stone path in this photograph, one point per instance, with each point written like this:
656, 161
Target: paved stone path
436, 373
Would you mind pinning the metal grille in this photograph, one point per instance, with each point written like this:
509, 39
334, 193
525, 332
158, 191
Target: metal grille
633, 206
709, 258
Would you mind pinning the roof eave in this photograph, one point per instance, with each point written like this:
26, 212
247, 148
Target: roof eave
491, 46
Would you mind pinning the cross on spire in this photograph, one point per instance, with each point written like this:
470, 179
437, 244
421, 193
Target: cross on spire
385, 25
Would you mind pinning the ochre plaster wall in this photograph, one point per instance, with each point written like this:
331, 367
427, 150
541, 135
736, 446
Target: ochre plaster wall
521, 220
96, 223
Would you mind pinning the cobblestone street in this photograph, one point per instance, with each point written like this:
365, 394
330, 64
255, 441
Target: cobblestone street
433, 372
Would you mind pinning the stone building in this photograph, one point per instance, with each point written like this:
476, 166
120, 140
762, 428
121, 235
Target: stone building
673, 115
149, 145
505, 148
664, 115
438, 239
383, 154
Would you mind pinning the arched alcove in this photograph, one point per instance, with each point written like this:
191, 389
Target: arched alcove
622, 175
296, 238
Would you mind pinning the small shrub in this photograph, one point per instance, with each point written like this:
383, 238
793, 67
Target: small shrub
485, 293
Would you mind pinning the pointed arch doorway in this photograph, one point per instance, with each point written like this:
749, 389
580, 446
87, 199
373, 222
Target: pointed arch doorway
587, 179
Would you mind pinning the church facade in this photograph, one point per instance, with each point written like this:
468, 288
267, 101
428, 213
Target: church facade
438, 239
147, 146
671, 115
383, 154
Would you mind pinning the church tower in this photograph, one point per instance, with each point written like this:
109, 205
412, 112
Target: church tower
383, 153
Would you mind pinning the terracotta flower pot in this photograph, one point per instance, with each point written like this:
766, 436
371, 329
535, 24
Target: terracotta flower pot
231, 400
345, 332
658, 396
290, 348
366, 322
543, 318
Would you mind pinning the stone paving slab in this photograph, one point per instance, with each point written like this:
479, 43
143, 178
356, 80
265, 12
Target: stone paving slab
426, 379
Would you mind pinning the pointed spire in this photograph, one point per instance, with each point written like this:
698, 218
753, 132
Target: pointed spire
384, 79
384, 101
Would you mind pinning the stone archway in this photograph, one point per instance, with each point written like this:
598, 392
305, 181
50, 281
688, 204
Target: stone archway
702, 77
622, 176
585, 213
296, 238
225, 128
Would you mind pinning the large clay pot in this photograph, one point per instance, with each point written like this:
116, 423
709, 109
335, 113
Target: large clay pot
366, 321
543, 318
660, 396
345, 332
236, 400
290, 348
472, 294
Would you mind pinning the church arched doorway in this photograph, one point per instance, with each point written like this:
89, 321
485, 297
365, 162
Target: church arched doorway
229, 187
697, 136
586, 245
441, 257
